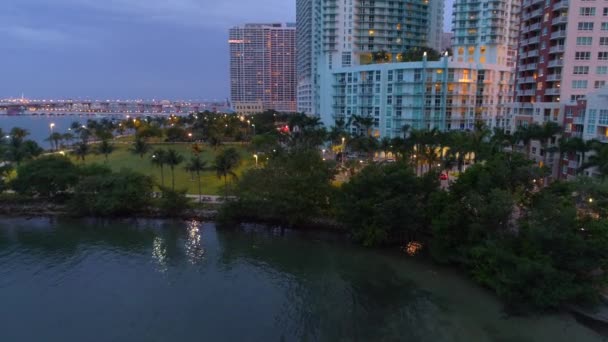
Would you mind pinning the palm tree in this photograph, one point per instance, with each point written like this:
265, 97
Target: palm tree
54, 139
19, 133
547, 132
214, 142
583, 147
67, 137
81, 150
173, 158
405, 130
385, 146
478, 138
599, 160
197, 165
225, 163
364, 123
140, 147
105, 148
159, 158
525, 135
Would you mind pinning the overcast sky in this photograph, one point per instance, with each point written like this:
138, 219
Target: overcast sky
117, 49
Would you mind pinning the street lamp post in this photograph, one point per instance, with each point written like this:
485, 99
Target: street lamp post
51, 126
256, 159
253, 125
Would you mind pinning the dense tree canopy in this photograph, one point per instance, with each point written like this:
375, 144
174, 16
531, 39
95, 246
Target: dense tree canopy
46, 176
293, 188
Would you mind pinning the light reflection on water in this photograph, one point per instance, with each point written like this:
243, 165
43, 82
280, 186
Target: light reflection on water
159, 254
194, 248
188, 281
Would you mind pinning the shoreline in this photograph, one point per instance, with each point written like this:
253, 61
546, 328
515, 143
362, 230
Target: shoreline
53, 211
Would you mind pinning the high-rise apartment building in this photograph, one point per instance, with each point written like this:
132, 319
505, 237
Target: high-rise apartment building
336, 34
263, 67
486, 31
453, 93
563, 56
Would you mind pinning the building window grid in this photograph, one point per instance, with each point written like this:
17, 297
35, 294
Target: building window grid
584, 41
582, 55
603, 118
579, 84
587, 11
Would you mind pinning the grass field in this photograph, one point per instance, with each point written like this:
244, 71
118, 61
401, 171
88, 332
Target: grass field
122, 158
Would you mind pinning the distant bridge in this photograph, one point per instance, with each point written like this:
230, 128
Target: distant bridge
68, 107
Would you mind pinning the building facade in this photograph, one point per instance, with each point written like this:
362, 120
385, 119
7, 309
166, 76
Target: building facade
563, 57
445, 94
586, 119
337, 34
486, 31
263, 66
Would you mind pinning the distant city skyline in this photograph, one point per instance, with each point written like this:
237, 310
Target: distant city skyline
125, 49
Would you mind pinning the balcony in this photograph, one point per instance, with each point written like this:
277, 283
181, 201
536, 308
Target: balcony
552, 91
529, 66
554, 77
522, 80
527, 3
529, 28
532, 53
529, 15
562, 19
557, 49
528, 92
555, 63
561, 5
533, 40
558, 34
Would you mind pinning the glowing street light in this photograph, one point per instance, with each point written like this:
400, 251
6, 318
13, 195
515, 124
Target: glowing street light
256, 159
51, 126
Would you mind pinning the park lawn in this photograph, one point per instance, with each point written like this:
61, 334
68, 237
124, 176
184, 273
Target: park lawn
122, 158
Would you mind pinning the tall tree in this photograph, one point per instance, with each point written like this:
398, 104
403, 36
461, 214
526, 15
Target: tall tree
159, 158
140, 147
364, 123
105, 148
55, 138
173, 158
81, 150
197, 165
599, 160
225, 162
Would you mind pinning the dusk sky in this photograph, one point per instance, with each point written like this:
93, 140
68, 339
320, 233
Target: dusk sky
118, 49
